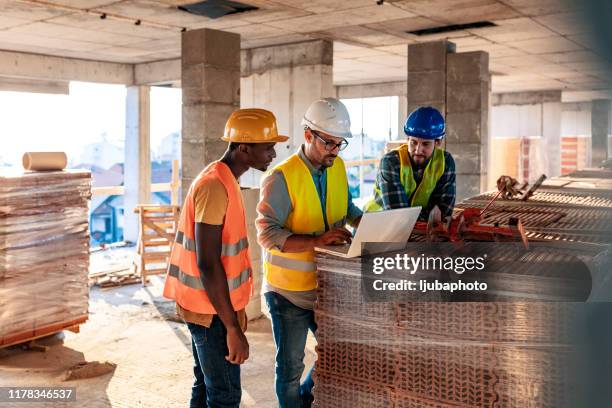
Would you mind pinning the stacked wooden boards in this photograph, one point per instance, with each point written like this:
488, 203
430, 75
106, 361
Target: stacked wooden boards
44, 253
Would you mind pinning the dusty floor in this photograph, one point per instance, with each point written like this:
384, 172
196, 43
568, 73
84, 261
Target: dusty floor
127, 326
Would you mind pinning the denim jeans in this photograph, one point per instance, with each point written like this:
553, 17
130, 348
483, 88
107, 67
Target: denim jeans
290, 326
217, 381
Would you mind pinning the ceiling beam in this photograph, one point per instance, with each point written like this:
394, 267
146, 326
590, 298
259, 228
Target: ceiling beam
46, 67
34, 86
158, 73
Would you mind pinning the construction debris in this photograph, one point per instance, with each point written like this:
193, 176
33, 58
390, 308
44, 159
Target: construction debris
113, 278
44, 253
88, 370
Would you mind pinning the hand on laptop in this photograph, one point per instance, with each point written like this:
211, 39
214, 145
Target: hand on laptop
336, 236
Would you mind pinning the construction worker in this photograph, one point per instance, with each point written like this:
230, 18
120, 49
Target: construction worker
304, 203
210, 275
419, 173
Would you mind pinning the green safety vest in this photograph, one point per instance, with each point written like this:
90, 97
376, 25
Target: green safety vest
433, 172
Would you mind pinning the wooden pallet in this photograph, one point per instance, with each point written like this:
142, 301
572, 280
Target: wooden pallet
157, 229
42, 331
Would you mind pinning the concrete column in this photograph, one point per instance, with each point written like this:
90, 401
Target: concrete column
250, 198
459, 86
600, 130
137, 170
427, 74
286, 79
210, 79
467, 119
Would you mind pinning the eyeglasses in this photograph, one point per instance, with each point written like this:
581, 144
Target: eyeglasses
330, 146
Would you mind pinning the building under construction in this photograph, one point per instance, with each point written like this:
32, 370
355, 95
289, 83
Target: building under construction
85, 248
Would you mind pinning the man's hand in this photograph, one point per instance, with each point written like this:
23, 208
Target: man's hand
238, 346
336, 236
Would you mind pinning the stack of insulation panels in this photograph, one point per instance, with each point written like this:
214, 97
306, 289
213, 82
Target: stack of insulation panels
44, 253
443, 355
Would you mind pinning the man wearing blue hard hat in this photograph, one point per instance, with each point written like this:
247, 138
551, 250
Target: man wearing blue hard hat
418, 173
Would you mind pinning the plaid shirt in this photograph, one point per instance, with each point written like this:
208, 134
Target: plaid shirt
392, 192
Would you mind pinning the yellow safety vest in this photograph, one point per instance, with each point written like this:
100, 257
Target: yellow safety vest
433, 172
297, 271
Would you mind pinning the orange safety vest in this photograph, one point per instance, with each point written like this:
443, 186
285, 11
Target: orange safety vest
183, 283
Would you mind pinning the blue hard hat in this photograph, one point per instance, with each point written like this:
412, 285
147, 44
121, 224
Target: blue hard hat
425, 123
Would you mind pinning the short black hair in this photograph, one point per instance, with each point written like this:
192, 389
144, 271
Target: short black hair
234, 145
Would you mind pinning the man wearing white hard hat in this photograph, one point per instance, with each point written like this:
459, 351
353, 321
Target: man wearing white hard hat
304, 203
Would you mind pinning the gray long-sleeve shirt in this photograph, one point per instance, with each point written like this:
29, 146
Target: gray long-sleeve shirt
274, 209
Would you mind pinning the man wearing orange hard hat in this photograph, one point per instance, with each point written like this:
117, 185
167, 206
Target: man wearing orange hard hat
210, 275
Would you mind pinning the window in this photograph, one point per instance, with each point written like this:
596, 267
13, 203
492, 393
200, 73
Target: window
166, 105
374, 122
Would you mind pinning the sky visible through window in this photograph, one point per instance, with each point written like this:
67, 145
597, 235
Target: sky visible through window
91, 113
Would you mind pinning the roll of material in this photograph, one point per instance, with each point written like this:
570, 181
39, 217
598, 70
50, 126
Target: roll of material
44, 161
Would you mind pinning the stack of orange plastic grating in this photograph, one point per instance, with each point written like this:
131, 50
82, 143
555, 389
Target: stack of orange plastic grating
471, 354
435, 354
44, 253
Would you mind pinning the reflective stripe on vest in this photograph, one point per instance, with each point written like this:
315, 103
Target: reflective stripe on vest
288, 263
195, 282
226, 249
433, 172
297, 271
183, 280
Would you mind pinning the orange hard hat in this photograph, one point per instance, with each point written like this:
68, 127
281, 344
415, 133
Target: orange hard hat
252, 126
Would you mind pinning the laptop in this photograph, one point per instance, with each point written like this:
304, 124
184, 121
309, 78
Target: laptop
392, 226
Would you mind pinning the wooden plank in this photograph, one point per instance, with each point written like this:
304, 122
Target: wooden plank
154, 256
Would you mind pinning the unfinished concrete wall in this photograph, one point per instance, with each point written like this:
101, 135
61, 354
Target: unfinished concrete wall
210, 78
250, 197
286, 79
601, 123
535, 118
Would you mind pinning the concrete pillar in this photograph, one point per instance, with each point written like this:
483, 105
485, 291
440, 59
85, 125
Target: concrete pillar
250, 198
427, 74
459, 86
137, 170
600, 130
467, 119
210, 79
286, 79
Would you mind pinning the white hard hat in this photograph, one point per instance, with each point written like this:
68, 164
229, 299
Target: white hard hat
330, 116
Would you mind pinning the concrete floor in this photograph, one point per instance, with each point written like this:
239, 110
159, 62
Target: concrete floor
129, 326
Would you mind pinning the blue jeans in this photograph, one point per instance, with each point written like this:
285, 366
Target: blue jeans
217, 381
290, 326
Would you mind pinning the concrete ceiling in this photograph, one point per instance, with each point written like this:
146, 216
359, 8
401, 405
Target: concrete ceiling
535, 45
